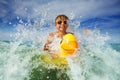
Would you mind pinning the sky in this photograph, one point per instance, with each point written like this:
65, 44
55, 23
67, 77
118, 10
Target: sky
102, 14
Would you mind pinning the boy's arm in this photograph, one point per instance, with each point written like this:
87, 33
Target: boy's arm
49, 40
46, 47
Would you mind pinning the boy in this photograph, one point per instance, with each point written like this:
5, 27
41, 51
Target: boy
53, 41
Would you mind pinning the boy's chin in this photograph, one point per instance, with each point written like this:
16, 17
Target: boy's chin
62, 30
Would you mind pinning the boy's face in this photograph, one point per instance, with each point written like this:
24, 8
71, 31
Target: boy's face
61, 24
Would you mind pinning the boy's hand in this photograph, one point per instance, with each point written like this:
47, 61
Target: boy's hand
55, 55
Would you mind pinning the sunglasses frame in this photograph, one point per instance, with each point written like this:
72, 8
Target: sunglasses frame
60, 22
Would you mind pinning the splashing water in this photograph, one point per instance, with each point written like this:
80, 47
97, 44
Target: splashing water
19, 59
97, 60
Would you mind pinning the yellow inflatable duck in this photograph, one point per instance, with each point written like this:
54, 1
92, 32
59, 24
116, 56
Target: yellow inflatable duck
68, 45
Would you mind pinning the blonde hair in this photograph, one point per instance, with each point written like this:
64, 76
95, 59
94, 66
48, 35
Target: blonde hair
61, 17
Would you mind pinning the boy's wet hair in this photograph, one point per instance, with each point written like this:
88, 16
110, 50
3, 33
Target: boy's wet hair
61, 17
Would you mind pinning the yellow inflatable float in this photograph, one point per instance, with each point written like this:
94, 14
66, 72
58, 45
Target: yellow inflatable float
68, 45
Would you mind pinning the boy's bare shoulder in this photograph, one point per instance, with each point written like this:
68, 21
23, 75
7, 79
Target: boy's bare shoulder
70, 33
52, 34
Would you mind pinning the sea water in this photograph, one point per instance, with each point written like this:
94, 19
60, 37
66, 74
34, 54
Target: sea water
95, 59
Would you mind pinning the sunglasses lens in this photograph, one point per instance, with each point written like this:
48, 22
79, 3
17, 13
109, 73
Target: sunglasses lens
65, 22
59, 22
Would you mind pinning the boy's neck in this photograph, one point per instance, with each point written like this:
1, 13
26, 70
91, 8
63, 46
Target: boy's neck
62, 33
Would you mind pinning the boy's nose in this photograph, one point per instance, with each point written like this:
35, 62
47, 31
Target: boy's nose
62, 23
